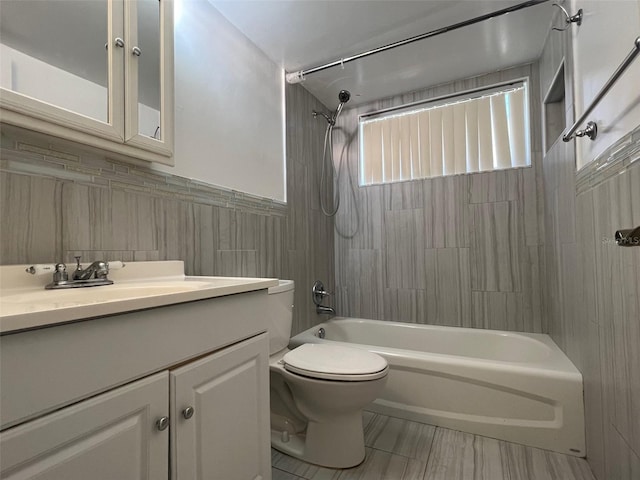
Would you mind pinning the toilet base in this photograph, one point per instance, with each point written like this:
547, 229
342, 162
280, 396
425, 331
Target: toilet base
335, 444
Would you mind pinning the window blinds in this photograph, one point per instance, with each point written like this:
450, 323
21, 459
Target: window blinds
488, 132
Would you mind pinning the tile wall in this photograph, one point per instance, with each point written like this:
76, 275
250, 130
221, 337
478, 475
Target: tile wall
592, 286
462, 250
59, 200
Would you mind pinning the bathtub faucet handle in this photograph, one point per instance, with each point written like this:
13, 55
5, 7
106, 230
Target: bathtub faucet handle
319, 292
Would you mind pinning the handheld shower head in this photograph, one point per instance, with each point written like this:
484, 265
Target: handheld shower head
344, 96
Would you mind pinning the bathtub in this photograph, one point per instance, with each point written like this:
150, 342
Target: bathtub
518, 387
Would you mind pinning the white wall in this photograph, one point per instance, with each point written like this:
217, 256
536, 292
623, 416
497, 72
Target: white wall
601, 43
229, 105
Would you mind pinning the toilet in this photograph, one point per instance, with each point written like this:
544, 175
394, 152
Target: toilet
318, 391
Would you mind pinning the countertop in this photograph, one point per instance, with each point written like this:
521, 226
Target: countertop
25, 304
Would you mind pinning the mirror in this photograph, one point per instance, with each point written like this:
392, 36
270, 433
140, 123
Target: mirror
55, 52
149, 68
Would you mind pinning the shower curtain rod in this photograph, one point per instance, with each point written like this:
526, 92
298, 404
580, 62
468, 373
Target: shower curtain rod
299, 76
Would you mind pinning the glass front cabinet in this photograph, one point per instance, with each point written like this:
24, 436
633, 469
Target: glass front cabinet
98, 72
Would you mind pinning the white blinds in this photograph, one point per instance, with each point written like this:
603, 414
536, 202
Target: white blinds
470, 135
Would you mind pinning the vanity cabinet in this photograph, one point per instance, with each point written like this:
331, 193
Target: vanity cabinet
217, 409
98, 72
219, 423
83, 400
107, 437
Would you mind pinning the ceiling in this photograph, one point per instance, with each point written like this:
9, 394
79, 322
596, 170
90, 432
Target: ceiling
300, 34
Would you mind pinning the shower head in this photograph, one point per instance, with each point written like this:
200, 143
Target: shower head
344, 96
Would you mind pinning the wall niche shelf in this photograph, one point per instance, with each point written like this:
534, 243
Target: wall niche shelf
554, 109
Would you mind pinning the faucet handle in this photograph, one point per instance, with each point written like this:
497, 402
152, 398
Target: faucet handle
60, 274
319, 292
100, 269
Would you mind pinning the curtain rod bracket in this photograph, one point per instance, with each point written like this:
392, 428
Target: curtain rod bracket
295, 77
569, 19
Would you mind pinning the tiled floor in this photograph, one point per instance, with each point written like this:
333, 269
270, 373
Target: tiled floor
404, 450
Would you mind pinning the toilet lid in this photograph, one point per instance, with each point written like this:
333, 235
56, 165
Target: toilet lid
335, 362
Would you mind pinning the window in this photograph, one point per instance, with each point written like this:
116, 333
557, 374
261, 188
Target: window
477, 132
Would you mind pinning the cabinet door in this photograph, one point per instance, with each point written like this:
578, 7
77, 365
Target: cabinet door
62, 66
111, 436
228, 436
149, 74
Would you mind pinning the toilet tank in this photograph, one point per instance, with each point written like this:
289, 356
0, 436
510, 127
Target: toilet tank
279, 315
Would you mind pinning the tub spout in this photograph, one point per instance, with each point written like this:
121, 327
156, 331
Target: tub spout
320, 309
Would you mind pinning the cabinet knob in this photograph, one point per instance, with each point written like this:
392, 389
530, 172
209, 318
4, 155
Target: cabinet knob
136, 51
162, 423
188, 412
119, 42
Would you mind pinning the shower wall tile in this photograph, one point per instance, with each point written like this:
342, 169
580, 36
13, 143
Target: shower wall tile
529, 202
442, 240
368, 214
453, 287
298, 234
498, 186
402, 195
446, 212
405, 305
59, 199
591, 369
494, 247
404, 247
365, 282
569, 298
498, 311
592, 286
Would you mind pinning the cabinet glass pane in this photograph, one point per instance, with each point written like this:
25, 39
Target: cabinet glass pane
149, 68
55, 52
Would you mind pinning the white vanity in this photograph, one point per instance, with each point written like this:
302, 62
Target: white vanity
157, 376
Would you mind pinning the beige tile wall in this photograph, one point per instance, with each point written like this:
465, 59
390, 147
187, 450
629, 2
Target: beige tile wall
59, 200
462, 250
592, 286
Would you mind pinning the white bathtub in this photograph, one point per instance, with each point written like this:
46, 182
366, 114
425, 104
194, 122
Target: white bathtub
511, 386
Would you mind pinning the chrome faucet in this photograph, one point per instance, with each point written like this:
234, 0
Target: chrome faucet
92, 276
320, 309
98, 269
319, 293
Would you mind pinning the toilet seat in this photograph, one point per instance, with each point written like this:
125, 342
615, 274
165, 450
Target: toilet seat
335, 362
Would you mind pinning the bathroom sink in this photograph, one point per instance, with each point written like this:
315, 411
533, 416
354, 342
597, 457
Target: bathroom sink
26, 304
